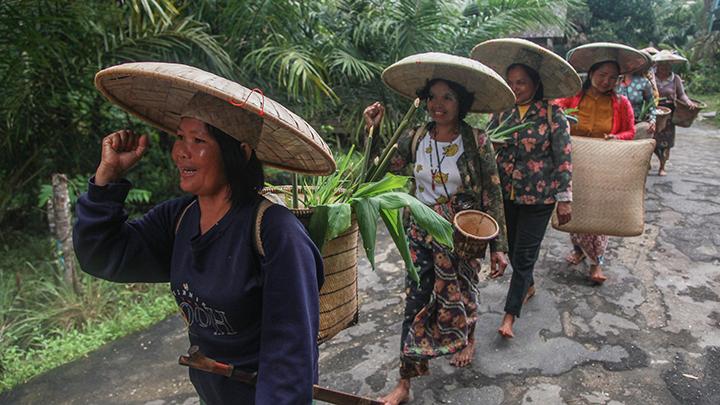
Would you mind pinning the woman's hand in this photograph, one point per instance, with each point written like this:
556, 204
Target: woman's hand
373, 115
610, 137
120, 151
564, 212
651, 128
498, 263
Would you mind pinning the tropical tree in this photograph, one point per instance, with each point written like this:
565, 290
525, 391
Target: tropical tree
52, 118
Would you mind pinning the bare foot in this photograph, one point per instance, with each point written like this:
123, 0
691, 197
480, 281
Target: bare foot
506, 326
662, 172
399, 395
529, 294
465, 356
575, 257
596, 274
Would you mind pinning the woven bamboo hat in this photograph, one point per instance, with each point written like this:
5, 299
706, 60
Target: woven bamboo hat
559, 79
666, 56
161, 93
408, 75
629, 59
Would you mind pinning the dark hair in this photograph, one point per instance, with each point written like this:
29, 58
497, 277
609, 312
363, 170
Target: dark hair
533, 75
588, 82
465, 98
244, 176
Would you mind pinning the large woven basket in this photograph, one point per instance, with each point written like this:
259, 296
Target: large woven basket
683, 115
608, 186
339, 293
473, 231
662, 115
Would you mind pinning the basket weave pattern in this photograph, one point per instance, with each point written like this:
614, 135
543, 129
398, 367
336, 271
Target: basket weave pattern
683, 115
339, 293
608, 186
473, 231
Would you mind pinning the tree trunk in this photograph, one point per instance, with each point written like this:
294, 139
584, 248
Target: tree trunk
63, 229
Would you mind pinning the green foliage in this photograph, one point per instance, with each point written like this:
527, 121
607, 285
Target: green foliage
43, 323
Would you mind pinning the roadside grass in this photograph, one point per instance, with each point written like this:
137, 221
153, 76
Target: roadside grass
713, 104
44, 324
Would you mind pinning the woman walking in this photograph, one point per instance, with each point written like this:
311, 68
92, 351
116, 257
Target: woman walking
671, 89
534, 164
603, 114
259, 314
453, 168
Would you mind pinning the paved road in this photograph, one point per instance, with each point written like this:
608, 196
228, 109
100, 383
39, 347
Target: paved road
650, 335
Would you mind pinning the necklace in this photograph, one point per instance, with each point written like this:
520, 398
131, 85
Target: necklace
437, 172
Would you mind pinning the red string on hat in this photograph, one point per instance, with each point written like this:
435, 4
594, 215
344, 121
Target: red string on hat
244, 102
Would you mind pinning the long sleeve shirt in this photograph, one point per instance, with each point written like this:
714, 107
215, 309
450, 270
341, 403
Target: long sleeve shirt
639, 92
258, 314
535, 164
622, 116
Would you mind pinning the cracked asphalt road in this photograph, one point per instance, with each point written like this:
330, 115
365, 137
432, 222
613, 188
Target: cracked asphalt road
650, 335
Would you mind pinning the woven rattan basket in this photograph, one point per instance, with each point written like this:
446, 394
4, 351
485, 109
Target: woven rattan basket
662, 115
683, 115
339, 293
608, 186
473, 231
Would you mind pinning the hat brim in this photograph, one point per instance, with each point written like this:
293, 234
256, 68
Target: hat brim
157, 93
629, 59
668, 57
558, 77
408, 75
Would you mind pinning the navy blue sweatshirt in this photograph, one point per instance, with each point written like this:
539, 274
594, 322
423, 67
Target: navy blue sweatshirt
259, 314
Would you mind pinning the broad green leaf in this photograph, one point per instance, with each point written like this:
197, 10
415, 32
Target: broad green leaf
329, 221
393, 222
367, 212
388, 183
438, 227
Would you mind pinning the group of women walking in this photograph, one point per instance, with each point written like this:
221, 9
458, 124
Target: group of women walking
258, 312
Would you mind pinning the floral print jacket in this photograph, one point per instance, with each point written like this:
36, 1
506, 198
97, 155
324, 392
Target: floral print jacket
535, 164
480, 188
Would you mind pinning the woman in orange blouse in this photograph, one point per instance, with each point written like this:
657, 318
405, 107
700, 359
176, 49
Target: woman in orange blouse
601, 114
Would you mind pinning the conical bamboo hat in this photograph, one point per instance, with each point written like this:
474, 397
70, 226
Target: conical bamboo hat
629, 59
559, 79
160, 93
408, 75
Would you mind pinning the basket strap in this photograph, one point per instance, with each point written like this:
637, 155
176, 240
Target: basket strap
257, 226
182, 215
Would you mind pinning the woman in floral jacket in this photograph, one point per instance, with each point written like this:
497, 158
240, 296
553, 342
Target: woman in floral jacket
534, 164
453, 168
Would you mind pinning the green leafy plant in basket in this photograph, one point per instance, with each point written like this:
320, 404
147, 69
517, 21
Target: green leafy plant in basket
361, 188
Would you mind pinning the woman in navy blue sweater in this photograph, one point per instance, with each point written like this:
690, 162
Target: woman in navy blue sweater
256, 313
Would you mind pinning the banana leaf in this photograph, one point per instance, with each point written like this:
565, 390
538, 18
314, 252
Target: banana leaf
390, 182
393, 222
328, 222
367, 212
438, 227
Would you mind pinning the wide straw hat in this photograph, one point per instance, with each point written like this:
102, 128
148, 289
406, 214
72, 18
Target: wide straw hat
629, 59
666, 56
161, 93
408, 75
559, 79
